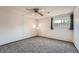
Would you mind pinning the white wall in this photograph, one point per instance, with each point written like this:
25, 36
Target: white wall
45, 31
29, 29
76, 27
12, 26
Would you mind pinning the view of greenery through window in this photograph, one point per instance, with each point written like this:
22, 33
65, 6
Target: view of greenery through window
61, 21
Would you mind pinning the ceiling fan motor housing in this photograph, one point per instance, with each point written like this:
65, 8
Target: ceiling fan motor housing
36, 9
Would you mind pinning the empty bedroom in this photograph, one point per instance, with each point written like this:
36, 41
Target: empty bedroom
39, 29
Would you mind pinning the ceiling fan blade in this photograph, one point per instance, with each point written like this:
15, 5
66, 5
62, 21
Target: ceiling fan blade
29, 9
40, 13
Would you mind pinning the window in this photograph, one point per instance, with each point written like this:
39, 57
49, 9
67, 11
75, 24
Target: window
61, 21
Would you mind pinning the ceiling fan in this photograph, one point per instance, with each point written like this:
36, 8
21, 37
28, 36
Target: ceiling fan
36, 10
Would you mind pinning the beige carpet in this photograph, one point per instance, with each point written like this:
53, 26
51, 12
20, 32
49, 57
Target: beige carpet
38, 45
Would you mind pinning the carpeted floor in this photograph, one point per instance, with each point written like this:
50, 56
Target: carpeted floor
38, 45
